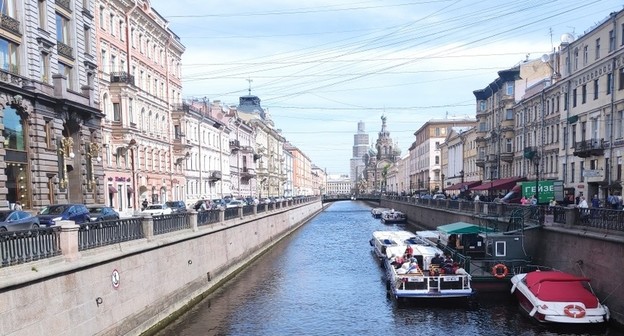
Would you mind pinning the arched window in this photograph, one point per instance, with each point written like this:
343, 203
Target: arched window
149, 122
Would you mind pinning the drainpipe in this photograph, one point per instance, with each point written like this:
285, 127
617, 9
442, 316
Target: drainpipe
609, 176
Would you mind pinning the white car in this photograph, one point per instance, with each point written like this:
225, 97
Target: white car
439, 196
235, 204
157, 209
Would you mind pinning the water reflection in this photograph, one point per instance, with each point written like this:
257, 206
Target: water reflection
323, 280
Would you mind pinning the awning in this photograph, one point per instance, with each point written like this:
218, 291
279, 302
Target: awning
112, 190
461, 186
130, 190
463, 228
502, 184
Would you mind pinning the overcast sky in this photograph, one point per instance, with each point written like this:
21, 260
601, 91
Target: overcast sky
321, 66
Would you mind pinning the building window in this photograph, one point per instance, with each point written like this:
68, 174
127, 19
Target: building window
584, 94
66, 71
619, 168
509, 114
482, 105
122, 33
621, 79
576, 56
45, 67
87, 40
7, 7
510, 88
611, 40
111, 25
101, 17
597, 48
585, 55
16, 171
565, 172
574, 98
62, 29
41, 8
596, 89
116, 112
9, 56
130, 109
572, 172
581, 169
49, 133
620, 130
609, 82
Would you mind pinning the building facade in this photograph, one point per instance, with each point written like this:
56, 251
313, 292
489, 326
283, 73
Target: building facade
48, 104
139, 74
378, 161
338, 185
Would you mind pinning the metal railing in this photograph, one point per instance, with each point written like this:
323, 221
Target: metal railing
170, 223
207, 217
28, 245
598, 218
92, 235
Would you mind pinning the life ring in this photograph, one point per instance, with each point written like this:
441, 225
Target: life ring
574, 311
500, 271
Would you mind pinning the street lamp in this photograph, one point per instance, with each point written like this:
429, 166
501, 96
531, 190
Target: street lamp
461, 174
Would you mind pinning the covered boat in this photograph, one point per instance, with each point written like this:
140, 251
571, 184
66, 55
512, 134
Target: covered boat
376, 212
393, 217
558, 297
413, 270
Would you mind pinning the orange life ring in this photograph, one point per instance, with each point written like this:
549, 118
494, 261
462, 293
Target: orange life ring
500, 271
574, 311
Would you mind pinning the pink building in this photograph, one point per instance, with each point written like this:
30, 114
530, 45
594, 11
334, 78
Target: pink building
139, 75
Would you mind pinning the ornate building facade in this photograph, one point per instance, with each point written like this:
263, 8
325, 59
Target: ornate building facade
379, 160
140, 85
51, 120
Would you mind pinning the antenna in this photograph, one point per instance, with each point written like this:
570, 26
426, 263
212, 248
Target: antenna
249, 80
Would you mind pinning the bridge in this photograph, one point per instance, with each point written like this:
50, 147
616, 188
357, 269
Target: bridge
348, 197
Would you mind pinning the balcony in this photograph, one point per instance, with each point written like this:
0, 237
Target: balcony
492, 158
481, 139
235, 145
507, 125
591, 147
64, 50
247, 173
10, 24
121, 77
214, 176
480, 161
507, 157
180, 143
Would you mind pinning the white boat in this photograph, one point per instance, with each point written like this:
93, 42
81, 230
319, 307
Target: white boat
393, 217
417, 277
376, 212
558, 297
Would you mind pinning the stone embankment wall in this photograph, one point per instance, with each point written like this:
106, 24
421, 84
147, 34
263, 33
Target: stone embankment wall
128, 288
594, 254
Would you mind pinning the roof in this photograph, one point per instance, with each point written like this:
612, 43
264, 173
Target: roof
557, 286
462, 228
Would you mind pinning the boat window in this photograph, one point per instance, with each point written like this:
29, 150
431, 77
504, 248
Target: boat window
501, 248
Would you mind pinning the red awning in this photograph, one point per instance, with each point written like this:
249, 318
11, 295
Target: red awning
502, 184
112, 190
460, 186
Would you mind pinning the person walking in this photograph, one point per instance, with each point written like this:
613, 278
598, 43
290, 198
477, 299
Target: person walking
595, 202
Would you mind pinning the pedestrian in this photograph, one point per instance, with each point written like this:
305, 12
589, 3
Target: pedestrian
533, 200
578, 198
582, 203
524, 201
17, 206
595, 202
144, 204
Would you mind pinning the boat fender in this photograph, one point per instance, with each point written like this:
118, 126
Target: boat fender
500, 271
533, 311
574, 311
513, 288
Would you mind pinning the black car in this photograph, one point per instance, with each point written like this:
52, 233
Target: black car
102, 213
176, 206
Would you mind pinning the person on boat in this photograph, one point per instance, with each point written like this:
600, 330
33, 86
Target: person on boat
398, 262
452, 240
447, 264
409, 251
413, 266
437, 260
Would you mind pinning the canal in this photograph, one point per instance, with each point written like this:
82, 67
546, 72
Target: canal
323, 280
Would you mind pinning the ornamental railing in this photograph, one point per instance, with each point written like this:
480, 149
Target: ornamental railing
19, 247
92, 235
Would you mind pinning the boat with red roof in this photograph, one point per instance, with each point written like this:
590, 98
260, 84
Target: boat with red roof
558, 297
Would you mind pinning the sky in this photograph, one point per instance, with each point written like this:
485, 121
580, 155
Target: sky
321, 66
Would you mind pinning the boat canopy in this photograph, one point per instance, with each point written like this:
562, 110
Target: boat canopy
463, 228
556, 286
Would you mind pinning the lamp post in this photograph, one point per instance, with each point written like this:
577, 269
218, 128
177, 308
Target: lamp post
442, 183
461, 174
536, 162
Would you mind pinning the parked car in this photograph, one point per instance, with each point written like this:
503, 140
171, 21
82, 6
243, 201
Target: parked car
157, 210
13, 220
439, 196
102, 213
218, 204
235, 204
51, 214
176, 206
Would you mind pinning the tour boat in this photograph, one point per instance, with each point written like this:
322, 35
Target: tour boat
558, 297
376, 212
416, 277
393, 217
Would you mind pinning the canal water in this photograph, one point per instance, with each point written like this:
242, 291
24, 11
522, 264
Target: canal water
324, 280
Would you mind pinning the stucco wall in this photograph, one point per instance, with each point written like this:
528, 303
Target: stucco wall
156, 278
